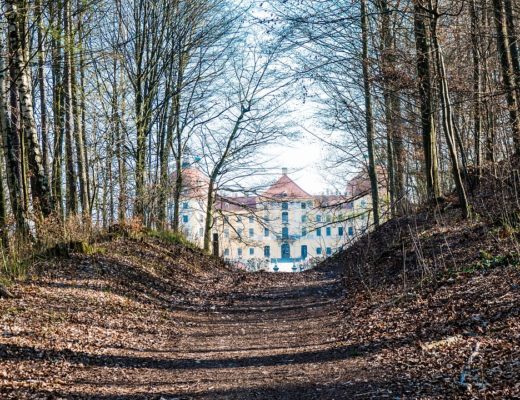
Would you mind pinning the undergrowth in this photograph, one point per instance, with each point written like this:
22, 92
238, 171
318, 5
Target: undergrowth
57, 238
172, 238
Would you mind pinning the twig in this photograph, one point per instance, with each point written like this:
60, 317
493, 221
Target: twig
4, 293
465, 370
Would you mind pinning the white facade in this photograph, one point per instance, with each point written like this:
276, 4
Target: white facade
283, 225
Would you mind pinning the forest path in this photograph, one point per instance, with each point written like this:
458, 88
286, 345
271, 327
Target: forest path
277, 338
265, 336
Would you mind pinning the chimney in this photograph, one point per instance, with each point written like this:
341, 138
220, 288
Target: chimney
284, 171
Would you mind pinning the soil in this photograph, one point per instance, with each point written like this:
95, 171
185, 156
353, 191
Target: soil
149, 320
128, 326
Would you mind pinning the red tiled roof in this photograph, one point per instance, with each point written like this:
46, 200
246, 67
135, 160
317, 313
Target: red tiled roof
194, 182
337, 201
360, 184
235, 203
285, 187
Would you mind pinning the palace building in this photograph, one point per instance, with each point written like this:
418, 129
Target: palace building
284, 224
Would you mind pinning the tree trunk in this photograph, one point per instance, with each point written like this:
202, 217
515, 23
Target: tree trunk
179, 153
70, 175
368, 114
4, 228
58, 110
477, 85
140, 162
216, 172
395, 149
513, 47
447, 122
429, 134
40, 189
80, 145
41, 85
506, 63
208, 224
120, 153
10, 140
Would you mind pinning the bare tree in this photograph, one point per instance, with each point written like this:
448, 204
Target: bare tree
251, 118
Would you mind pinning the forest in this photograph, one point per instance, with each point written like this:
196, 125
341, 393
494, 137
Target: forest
103, 100
103, 104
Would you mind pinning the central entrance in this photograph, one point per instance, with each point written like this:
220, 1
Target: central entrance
286, 251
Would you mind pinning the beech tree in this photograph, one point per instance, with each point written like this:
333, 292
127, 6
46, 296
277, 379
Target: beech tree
250, 117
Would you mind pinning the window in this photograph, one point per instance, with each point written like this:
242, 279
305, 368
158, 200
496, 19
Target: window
266, 232
304, 218
226, 233
304, 206
185, 205
239, 232
285, 233
251, 251
267, 251
185, 219
304, 231
285, 205
226, 252
251, 219
239, 251
251, 232
304, 251
328, 231
239, 218
329, 251
363, 203
318, 218
350, 231
340, 231
285, 217
318, 232
318, 251
328, 218
201, 231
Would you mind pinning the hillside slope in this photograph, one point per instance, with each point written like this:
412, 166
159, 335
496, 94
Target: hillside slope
148, 320
435, 300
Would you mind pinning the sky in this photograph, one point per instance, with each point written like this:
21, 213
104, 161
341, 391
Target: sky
303, 160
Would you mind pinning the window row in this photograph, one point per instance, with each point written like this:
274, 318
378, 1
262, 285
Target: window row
285, 231
285, 251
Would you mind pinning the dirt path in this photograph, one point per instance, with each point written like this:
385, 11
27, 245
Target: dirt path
271, 336
277, 339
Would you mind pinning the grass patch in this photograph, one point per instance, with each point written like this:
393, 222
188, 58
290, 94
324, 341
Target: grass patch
486, 263
172, 238
12, 267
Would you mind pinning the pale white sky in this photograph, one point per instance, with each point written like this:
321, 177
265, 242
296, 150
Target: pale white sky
303, 159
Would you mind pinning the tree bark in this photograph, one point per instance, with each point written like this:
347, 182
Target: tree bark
447, 121
10, 139
477, 85
41, 86
4, 228
57, 109
396, 154
372, 173
77, 91
40, 189
506, 64
70, 174
429, 134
